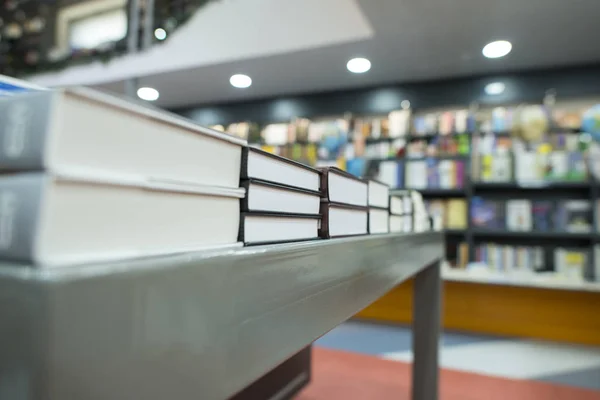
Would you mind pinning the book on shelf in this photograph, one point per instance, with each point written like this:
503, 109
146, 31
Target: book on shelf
574, 216
275, 134
596, 266
496, 168
510, 258
82, 129
518, 215
416, 174
462, 256
433, 173
456, 214
437, 210
384, 149
271, 197
487, 214
265, 166
572, 263
75, 218
391, 173
340, 220
451, 213
542, 215
399, 123
269, 228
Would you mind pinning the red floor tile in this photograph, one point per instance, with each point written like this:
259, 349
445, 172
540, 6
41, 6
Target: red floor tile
352, 376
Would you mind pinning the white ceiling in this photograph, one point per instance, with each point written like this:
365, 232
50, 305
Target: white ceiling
303, 46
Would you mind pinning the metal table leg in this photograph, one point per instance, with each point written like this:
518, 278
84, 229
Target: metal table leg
426, 332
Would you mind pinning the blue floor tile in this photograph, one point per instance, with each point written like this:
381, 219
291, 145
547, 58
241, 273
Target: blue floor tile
376, 339
585, 378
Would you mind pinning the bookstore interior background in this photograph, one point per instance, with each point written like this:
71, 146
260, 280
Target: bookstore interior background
489, 109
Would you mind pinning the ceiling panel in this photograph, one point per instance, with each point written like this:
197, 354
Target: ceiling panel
413, 41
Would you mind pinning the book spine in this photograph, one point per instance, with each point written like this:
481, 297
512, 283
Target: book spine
25, 123
20, 206
460, 174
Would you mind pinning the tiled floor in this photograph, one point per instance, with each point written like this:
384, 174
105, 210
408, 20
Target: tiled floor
577, 366
341, 375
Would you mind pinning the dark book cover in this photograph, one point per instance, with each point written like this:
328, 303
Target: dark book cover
487, 214
574, 216
542, 211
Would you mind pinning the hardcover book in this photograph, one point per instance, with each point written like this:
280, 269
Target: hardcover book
271, 197
268, 228
340, 220
379, 220
340, 187
86, 130
379, 194
55, 220
264, 166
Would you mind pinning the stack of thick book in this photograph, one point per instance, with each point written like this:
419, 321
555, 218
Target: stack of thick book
379, 202
344, 203
91, 177
401, 212
282, 201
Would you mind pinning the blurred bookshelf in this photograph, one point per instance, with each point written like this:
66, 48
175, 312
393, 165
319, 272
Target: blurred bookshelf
504, 176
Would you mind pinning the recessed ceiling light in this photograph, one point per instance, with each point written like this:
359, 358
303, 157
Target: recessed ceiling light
160, 34
148, 94
405, 104
358, 65
495, 88
240, 81
497, 49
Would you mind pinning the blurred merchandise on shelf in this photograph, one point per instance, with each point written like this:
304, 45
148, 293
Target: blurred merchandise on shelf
591, 122
391, 173
569, 216
487, 214
507, 258
435, 173
596, 258
574, 216
568, 264
452, 212
461, 257
542, 215
572, 264
518, 215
